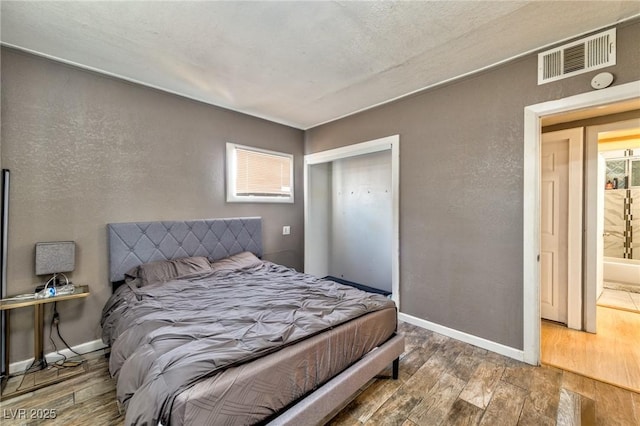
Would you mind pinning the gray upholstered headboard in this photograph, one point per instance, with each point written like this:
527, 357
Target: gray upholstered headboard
135, 243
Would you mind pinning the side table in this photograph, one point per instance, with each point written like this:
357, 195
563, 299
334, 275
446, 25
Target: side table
38, 325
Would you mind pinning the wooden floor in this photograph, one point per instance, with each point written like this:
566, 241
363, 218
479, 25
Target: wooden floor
611, 355
447, 382
442, 382
88, 399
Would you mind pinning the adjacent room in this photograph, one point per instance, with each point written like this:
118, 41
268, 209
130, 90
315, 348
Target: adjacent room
610, 136
381, 212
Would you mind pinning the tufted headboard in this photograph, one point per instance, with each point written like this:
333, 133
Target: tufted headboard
135, 243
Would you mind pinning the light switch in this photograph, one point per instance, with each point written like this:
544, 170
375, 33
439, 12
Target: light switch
286, 230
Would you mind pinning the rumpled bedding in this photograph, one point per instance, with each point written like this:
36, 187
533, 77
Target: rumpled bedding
165, 337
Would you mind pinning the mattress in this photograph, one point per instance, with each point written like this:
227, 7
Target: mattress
193, 347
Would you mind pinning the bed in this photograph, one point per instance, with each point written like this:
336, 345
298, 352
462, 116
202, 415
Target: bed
238, 340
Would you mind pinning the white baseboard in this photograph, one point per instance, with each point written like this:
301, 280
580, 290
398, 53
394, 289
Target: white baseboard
83, 348
489, 345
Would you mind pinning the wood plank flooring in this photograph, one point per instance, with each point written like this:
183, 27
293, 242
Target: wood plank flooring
442, 382
612, 355
447, 382
87, 399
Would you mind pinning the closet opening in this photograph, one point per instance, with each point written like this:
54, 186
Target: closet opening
351, 215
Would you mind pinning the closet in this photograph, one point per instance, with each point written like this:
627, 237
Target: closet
351, 214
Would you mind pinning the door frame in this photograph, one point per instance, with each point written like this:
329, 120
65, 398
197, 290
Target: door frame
389, 143
575, 137
531, 201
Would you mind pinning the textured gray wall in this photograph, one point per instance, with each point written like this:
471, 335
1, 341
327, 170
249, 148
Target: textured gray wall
85, 150
461, 180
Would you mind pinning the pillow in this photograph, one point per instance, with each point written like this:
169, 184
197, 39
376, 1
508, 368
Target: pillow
166, 270
246, 259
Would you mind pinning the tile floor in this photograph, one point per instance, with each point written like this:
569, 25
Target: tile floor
620, 299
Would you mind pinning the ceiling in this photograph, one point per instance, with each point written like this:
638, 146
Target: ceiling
297, 63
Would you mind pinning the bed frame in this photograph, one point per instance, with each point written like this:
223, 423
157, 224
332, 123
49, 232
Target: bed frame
132, 244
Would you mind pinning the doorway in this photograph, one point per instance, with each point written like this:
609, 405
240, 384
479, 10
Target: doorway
618, 282
533, 115
352, 214
609, 352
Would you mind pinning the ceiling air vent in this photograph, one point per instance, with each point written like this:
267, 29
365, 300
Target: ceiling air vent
587, 54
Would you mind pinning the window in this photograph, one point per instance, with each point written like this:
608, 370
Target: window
258, 175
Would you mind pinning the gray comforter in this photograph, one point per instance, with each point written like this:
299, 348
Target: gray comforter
165, 337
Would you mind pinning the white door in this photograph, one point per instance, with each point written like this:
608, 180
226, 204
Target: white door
554, 199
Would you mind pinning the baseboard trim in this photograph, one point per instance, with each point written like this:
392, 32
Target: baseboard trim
480, 342
82, 348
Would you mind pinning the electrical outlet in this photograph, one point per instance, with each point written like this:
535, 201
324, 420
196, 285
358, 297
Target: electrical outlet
286, 230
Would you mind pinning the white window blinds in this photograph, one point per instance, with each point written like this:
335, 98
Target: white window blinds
258, 175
